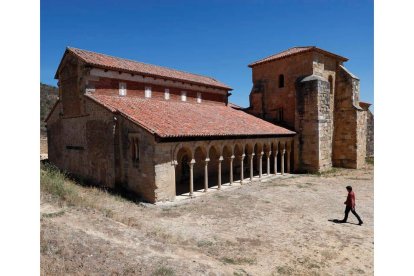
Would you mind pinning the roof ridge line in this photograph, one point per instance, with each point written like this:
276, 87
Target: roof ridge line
127, 59
311, 47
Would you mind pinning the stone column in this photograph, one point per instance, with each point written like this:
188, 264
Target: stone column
191, 164
282, 163
260, 164
241, 168
268, 162
231, 169
251, 166
219, 173
275, 165
206, 175
288, 161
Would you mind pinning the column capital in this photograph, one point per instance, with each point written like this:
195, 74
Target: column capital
241, 156
251, 155
207, 160
220, 158
192, 162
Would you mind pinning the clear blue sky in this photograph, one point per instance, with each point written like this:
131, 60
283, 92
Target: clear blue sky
213, 38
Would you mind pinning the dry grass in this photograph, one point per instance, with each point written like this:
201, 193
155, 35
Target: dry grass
279, 227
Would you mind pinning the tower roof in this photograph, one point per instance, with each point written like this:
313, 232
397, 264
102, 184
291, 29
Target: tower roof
294, 51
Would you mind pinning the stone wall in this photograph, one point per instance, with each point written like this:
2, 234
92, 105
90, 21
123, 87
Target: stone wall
83, 145
164, 172
313, 124
136, 176
349, 145
370, 134
97, 148
361, 131
266, 102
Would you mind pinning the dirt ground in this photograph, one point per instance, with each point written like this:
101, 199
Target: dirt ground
277, 227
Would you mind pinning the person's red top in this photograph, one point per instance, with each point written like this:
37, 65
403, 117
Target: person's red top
350, 200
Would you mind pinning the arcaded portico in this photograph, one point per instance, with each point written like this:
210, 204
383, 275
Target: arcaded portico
200, 165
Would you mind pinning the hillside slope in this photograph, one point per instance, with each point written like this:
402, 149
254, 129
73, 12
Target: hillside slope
48, 96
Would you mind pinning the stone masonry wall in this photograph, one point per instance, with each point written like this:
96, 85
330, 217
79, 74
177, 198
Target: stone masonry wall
273, 97
370, 134
349, 123
136, 176
324, 126
84, 145
307, 124
164, 172
361, 131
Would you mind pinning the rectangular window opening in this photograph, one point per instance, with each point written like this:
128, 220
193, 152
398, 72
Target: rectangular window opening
183, 96
198, 97
122, 89
148, 92
167, 94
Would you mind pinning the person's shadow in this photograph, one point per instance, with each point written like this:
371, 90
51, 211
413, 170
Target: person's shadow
340, 221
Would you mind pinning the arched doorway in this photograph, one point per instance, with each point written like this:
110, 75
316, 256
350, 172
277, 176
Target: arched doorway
182, 171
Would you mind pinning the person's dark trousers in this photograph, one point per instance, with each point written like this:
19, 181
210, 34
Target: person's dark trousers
347, 209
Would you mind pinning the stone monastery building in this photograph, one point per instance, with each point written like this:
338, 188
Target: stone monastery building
159, 132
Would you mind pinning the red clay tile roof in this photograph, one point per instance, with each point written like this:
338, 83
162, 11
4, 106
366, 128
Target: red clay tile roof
183, 119
121, 64
294, 51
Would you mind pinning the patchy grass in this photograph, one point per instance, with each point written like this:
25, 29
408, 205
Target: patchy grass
221, 196
163, 271
256, 230
238, 261
330, 172
204, 243
56, 184
55, 214
283, 270
305, 185
358, 178
370, 160
279, 184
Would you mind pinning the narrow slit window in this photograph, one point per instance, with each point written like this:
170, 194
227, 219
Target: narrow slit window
122, 89
330, 79
279, 115
198, 97
167, 94
135, 150
281, 81
148, 92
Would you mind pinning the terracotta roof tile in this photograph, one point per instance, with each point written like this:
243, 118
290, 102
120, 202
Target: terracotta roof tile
293, 51
116, 63
183, 119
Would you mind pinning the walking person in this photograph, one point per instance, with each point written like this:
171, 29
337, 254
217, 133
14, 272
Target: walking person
350, 206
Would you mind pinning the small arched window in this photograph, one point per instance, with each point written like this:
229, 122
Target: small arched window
281, 81
330, 79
